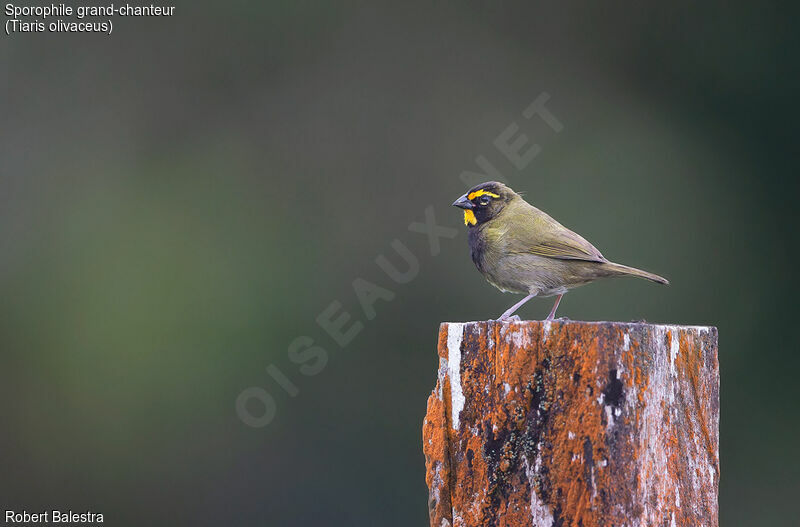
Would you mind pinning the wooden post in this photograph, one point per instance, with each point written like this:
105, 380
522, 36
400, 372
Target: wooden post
574, 424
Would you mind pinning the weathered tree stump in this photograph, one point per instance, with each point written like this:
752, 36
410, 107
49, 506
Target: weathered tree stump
574, 424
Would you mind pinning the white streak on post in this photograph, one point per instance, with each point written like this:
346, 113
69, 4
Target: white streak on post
674, 347
657, 483
455, 333
540, 512
442, 371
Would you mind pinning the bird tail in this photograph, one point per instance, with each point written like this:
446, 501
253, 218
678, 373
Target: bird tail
632, 271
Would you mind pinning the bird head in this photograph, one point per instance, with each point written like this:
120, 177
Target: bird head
484, 202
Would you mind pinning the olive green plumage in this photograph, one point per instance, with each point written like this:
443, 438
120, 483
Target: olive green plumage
521, 249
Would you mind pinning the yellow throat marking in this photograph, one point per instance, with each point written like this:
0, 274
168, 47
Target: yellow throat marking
479, 193
469, 218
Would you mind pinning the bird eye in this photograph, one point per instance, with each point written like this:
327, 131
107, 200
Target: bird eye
484, 200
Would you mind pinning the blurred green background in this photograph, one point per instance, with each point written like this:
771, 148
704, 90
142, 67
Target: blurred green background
182, 199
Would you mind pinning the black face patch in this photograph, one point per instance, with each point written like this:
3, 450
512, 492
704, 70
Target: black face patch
486, 204
486, 201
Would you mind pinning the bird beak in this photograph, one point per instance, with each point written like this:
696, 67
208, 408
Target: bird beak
463, 203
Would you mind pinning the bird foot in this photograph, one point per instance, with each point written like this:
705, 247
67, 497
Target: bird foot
513, 318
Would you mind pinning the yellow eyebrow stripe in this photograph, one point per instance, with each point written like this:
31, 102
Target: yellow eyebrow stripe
479, 193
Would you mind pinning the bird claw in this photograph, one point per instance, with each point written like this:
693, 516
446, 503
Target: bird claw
513, 318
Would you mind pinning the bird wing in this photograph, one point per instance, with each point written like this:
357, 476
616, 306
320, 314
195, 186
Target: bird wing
537, 233
567, 249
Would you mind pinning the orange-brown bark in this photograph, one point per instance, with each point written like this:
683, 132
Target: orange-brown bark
573, 424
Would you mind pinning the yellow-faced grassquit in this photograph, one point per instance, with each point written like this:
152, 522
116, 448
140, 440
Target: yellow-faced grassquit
520, 249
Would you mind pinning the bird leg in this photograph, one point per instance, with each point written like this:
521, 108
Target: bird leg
555, 306
510, 310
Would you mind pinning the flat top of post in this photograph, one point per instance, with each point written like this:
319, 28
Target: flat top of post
632, 324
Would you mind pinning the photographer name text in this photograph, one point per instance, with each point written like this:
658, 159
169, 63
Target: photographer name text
52, 516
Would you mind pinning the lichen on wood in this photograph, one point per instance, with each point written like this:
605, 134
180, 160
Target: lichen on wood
567, 423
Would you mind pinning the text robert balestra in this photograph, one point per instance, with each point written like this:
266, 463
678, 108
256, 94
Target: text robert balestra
53, 516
